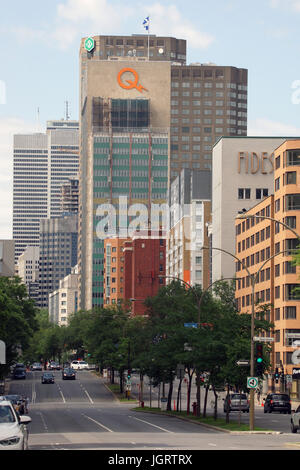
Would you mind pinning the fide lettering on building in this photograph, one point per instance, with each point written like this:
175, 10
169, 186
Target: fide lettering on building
255, 162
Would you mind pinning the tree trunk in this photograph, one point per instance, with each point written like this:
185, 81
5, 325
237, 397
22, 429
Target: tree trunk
216, 404
141, 387
198, 392
169, 404
227, 409
205, 401
178, 395
189, 393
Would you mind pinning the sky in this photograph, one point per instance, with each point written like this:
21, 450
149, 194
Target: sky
39, 57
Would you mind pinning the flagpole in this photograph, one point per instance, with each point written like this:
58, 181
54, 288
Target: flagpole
148, 38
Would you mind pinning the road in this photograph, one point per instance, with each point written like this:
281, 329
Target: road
83, 414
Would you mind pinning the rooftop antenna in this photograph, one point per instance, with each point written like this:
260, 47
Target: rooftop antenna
67, 110
38, 117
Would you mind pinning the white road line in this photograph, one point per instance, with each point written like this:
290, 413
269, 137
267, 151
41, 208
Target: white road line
154, 425
88, 396
97, 422
63, 398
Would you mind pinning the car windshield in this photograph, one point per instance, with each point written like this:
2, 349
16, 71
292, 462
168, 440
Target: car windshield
239, 396
6, 414
48, 375
281, 397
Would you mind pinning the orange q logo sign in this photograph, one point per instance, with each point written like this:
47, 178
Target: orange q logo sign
130, 83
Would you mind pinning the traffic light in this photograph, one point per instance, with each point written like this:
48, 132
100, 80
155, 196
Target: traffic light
129, 374
276, 375
282, 377
259, 360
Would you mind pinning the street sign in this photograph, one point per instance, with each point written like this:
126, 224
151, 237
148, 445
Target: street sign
191, 325
89, 44
242, 362
180, 371
263, 339
252, 382
2, 352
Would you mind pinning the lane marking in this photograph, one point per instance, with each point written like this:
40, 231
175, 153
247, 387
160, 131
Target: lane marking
97, 422
150, 424
88, 396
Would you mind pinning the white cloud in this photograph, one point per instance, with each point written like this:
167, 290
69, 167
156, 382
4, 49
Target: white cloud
8, 127
80, 18
286, 4
92, 17
267, 127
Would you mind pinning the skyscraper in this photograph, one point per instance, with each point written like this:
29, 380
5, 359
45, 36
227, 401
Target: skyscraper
145, 115
42, 163
58, 252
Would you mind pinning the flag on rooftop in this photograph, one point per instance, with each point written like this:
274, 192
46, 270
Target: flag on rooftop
146, 23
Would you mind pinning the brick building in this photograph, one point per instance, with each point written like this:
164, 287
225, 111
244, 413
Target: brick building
131, 270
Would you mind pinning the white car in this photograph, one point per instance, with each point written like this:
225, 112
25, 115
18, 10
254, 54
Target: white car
295, 420
79, 365
13, 429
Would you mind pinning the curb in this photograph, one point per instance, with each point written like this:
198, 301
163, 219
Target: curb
209, 426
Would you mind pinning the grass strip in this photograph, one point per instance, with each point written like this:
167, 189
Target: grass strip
209, 420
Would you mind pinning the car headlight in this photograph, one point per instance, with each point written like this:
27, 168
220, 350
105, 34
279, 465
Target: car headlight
10, 441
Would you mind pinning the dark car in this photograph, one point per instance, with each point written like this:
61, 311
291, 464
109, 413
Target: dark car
237, 402
54, 366
47, 378
68, 374
277, 402
19, 374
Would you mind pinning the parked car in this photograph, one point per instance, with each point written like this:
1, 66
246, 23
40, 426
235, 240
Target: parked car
78, 365
295, 420
47, 378
236, 402
19, 374
36, 366
277, 402
13, 429
68, 374
54, 366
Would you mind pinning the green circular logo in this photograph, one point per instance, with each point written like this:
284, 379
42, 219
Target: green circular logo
89, 44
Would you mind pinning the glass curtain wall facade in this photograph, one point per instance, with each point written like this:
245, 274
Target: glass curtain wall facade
133, 166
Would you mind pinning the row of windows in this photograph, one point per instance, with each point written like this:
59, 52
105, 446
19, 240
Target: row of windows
245, 193
198, 84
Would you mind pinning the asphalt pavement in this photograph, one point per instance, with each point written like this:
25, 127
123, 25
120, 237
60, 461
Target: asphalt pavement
84, 414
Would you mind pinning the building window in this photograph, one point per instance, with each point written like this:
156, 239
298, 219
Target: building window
293, 157
290, 221
291, 291
290, 312
292, 202
261, 192
244, 193
277, 314
291, 177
